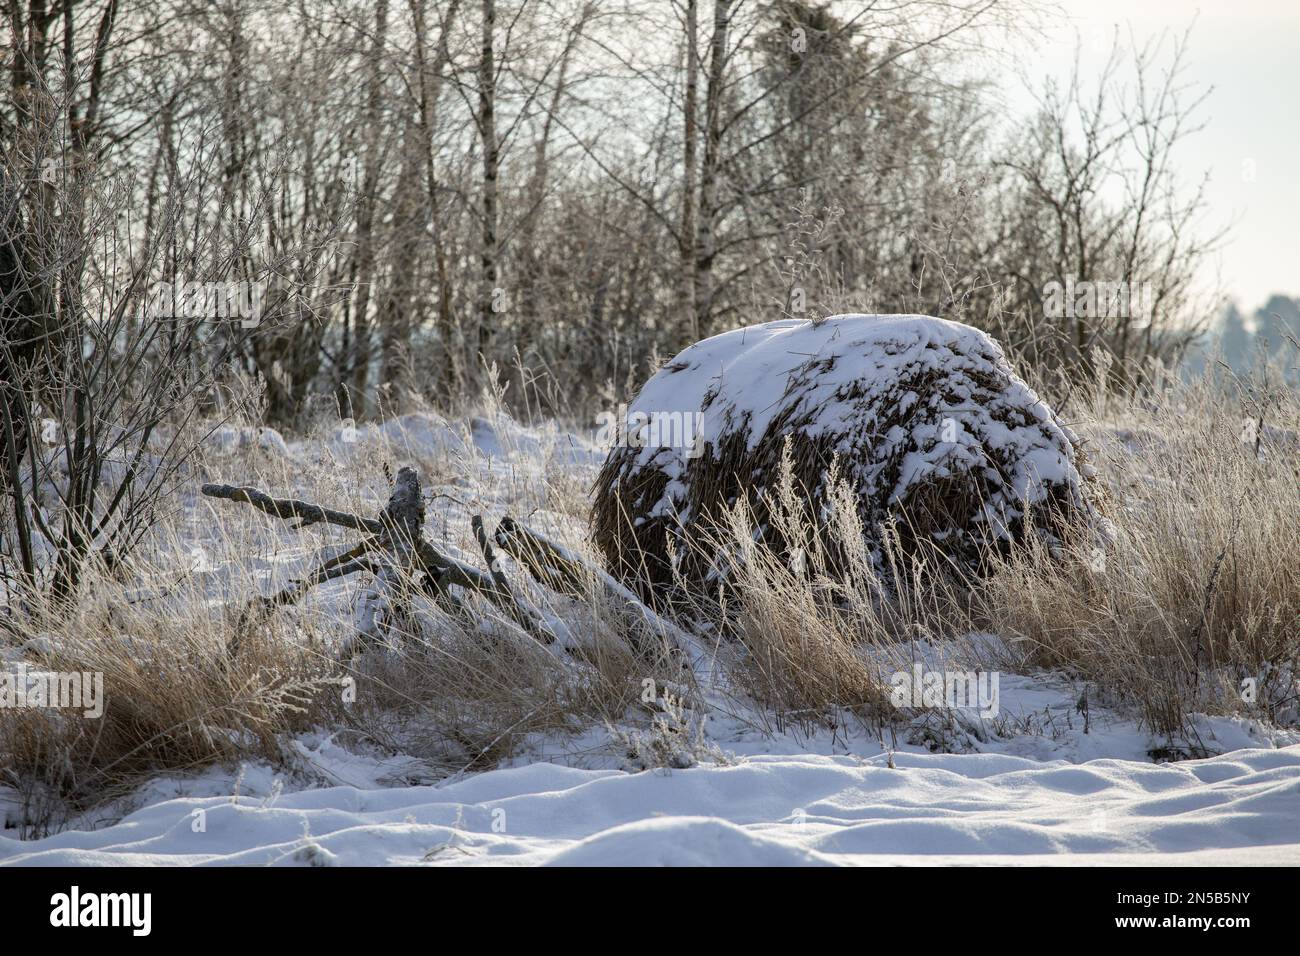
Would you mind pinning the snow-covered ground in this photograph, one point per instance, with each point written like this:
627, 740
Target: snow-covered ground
1032, 785
788, 809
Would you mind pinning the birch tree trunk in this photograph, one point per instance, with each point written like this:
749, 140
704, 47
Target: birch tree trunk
487, 128
359, 366
401, 296
429, 77
706, 242
686, 235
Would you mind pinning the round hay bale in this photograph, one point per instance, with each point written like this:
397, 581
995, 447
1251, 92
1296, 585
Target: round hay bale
924, 418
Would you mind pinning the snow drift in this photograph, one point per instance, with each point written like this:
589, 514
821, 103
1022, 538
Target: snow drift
769, 810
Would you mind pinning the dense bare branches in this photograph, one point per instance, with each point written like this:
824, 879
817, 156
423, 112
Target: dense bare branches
582, 186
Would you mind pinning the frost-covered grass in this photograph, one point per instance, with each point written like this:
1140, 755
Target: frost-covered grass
1190, 603
1198, 591
160, 629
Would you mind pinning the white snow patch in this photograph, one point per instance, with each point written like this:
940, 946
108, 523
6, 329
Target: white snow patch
1240, 808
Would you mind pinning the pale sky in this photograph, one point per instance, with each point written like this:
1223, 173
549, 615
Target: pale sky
1249, 52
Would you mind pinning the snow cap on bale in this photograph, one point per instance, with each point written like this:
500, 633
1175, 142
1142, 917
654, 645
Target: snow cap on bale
927, 420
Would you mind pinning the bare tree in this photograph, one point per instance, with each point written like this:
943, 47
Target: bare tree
489, 253
1094, 205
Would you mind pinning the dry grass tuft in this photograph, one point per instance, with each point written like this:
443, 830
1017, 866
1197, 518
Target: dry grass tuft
465, 698
823, 628
171, 699
1200, 589
1196, 591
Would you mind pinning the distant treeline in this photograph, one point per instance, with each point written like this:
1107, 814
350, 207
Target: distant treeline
1271, 335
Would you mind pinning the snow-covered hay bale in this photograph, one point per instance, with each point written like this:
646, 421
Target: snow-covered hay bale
927, 422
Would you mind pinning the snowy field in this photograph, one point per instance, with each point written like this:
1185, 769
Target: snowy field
1034, 786
764, 810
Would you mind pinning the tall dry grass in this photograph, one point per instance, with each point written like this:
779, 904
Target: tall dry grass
172, 699
1185, 599
1198, 589
821, 630
460, 693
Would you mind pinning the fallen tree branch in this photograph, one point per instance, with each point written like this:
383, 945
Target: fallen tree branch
448, 571
349, 562
292, 508
341, 565
399, 531
563, 570
525, 620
